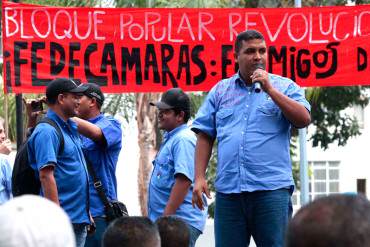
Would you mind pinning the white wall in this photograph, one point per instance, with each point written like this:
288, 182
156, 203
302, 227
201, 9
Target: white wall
127, 167
354, 158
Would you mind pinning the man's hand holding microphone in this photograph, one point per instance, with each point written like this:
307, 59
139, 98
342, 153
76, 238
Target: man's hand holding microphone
261, 79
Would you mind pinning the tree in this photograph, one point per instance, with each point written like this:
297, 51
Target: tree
330, 122
148, 143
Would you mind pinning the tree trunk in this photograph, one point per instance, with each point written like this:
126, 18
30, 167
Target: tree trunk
148, 144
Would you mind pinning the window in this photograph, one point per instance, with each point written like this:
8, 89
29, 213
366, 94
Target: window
324, 179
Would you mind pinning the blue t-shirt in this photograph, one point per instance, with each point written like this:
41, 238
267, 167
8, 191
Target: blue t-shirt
104, 160
5, 180
176, 156
70, 170
252, 133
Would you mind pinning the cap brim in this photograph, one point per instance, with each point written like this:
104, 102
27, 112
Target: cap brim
161, 105
80, 89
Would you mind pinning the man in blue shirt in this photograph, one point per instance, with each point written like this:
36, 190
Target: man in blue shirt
63, 175
102, 141
5, 180
5, 168
170, 186
254, 176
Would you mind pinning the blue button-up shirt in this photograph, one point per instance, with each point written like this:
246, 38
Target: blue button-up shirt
104, 160
252, 133
176, 156
70, 170
5, 180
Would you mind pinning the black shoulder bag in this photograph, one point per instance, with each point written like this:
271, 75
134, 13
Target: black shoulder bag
113, 209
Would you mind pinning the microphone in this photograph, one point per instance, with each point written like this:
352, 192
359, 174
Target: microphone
257, 84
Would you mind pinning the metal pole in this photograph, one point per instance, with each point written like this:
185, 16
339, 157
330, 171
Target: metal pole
19, 119
19, 113
303, 166
6, 114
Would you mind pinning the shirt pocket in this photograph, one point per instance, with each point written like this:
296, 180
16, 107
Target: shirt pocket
163, 174
223, 121
269, 118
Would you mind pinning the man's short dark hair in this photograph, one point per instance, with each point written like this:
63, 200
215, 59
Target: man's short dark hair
245, 36
131, 232
337, 220
173, 232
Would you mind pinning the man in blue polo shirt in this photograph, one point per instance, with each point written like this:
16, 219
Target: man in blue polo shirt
5, 168
5, 179
63, 176
102, 141
254, 178
171, 183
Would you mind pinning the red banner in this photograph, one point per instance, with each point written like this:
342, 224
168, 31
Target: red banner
152, 49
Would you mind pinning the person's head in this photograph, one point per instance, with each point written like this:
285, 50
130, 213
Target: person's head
63, 94
173, 232
2, 131
132, 232
31, 221
250, 52
91, 101
337, 220
174, 109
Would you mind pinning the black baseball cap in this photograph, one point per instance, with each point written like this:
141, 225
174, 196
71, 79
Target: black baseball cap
92, 90
173, 98
61, 85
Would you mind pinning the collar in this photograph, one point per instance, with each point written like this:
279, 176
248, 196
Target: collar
239, 80
167, 135
52, 115
96, 118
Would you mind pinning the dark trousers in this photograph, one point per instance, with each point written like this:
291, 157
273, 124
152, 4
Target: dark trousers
261, 214
96, 239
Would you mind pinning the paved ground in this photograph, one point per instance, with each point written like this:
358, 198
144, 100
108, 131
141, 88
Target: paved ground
207, 238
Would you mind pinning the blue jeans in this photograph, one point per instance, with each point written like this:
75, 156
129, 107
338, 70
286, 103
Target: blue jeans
80, 234
261, 214
95, 240
194, 235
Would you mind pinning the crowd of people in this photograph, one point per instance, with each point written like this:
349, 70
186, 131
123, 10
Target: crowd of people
75, 162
